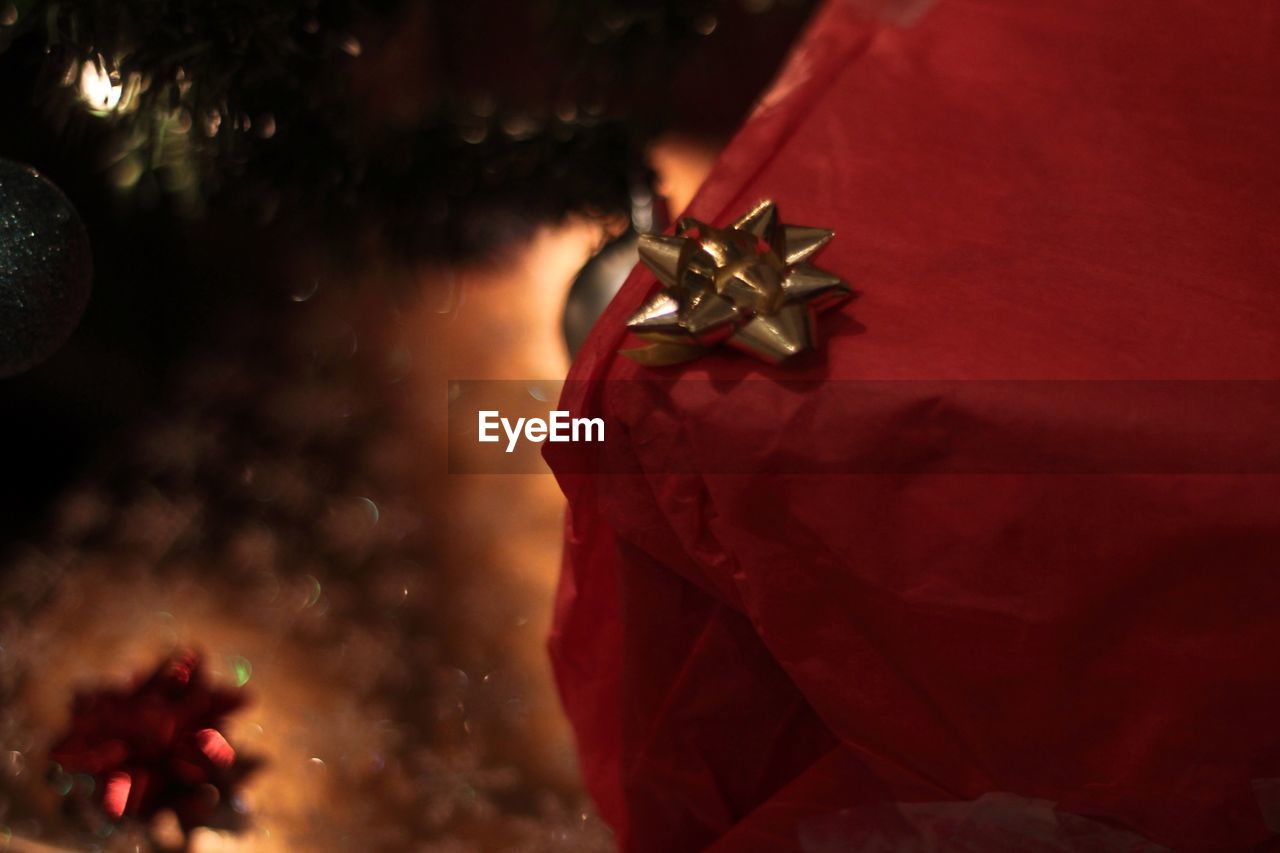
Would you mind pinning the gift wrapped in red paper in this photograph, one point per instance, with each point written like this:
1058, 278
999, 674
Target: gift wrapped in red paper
997, 566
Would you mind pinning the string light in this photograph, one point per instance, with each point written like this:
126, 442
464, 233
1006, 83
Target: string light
103, 91
100, 93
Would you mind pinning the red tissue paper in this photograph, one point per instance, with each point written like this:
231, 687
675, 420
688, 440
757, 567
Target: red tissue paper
997, 567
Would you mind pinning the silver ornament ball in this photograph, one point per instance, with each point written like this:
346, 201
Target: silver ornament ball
46, 268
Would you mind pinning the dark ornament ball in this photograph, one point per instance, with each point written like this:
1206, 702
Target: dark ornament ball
45, 268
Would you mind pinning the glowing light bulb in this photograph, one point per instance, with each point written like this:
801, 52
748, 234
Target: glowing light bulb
99, 92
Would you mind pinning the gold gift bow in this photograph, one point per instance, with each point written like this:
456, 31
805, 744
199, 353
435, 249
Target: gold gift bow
749, 285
